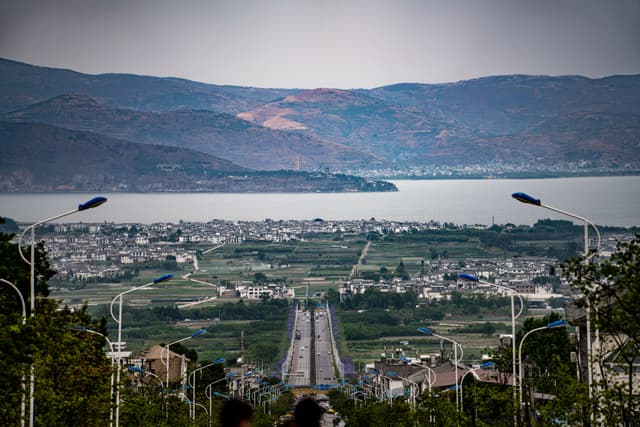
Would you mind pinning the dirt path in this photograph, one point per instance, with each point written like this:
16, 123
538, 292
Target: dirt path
363, 255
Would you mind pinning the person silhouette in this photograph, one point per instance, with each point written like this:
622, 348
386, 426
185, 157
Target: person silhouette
236, 413
307, 413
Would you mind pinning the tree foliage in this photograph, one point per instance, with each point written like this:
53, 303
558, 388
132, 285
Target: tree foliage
612, 289
72, 374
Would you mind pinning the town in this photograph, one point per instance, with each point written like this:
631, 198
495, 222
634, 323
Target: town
87, 253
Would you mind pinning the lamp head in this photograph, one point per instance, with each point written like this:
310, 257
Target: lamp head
425, 331
486, 365
468, 277
525, 198
93, 203
557, 324
218, 361
163, 278
198, 332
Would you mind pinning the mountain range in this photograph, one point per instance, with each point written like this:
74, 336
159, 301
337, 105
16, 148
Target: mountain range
42, 158
511, 119
218, 134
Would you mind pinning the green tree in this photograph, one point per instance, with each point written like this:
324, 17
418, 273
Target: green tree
71, 371
259, 278
546, 359
612, 288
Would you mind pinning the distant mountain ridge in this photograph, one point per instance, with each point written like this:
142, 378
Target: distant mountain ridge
219, 134
39, 157
24, 84
510, 119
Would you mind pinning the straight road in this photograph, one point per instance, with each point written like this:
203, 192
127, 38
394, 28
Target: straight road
301, 363
325, 371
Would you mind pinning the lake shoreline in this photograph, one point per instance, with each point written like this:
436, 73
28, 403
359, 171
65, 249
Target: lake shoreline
503, 176
604, 200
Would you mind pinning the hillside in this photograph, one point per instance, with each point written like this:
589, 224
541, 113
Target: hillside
359, 120
39, 157
510, 104
510, 119
222, 135
23, 84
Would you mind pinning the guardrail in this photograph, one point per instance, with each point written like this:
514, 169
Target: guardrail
336, 357
289, 358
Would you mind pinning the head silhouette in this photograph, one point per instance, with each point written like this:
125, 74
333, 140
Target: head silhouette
236, 413
307, 413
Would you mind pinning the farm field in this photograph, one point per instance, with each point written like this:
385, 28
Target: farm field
319, 263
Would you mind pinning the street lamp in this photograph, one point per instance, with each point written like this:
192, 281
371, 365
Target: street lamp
113, 355
20, 297
193, 386
385, 392
413, 387
168, 350
198, 404
429, 332
23, 403
552, 325
472, 278
119, 297
141, 371
215, 393
93, 203
485, 365
432, 380
530, 200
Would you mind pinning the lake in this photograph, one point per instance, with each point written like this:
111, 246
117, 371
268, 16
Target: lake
604, 200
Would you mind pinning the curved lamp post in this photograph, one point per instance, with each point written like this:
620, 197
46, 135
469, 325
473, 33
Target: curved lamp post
413, 387
485, 365
432, 379
141, 371
552, 325
215, 393
193, 385
429, 332
198, 404
23, 403
93, 203
241, 383
530, 200
514, 316
113, 355
118, 320
167, 349
385, 392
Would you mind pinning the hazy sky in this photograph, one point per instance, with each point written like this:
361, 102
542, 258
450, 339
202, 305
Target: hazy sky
325, 43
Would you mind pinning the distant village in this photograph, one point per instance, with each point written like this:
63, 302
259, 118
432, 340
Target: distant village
106, 252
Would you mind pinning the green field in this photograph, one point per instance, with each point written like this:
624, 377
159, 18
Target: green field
319, 262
